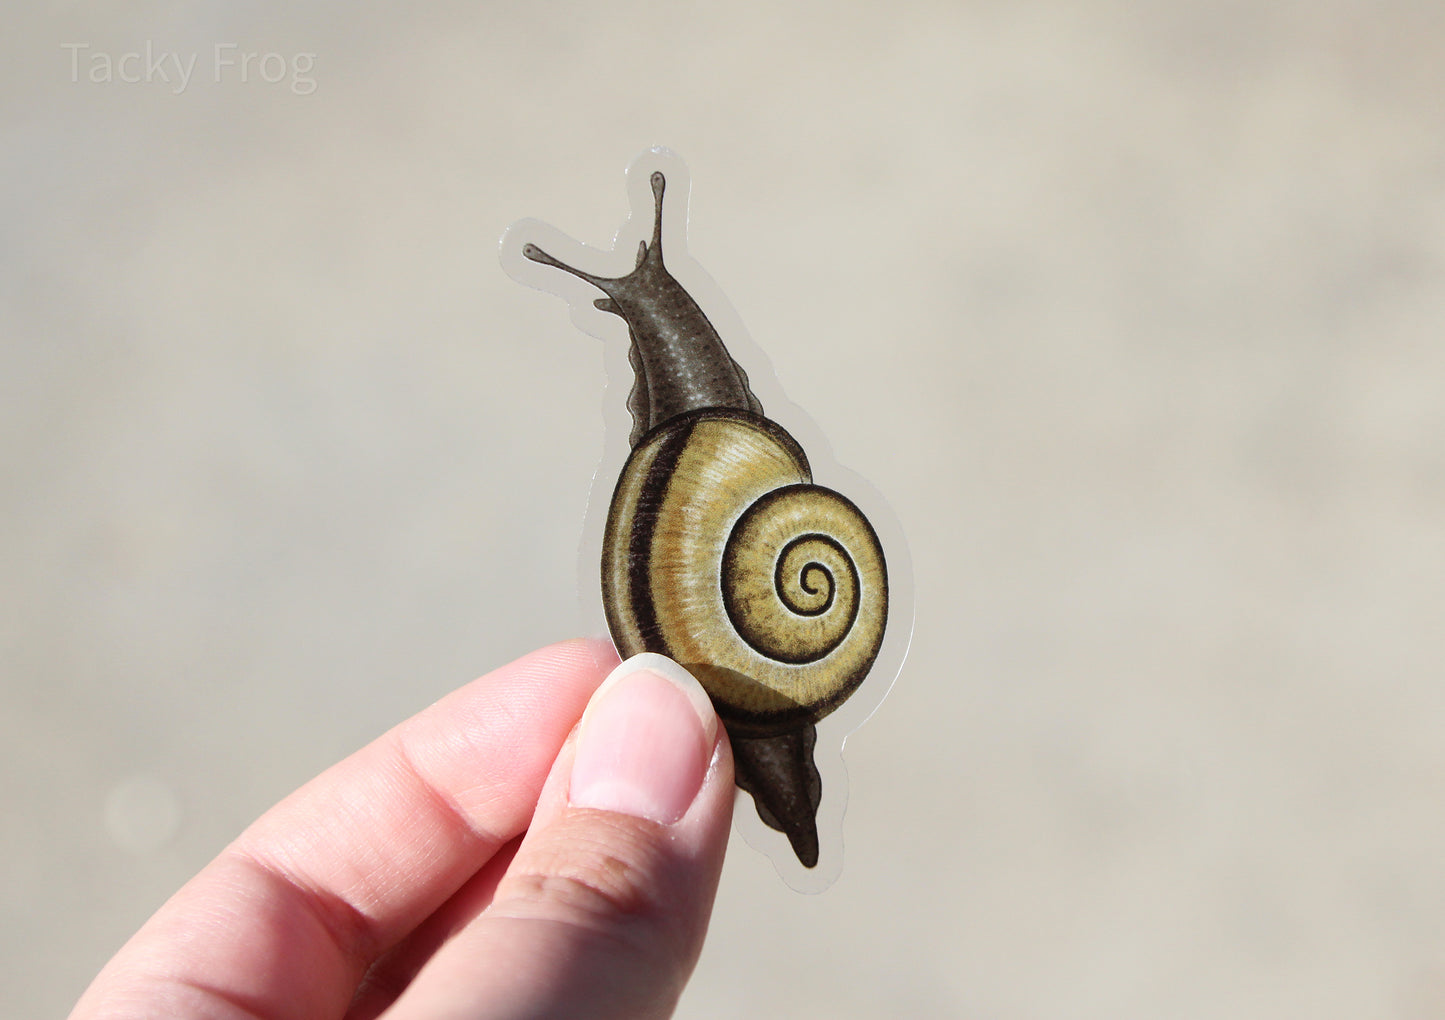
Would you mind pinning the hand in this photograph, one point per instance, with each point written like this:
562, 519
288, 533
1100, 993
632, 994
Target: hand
486, 858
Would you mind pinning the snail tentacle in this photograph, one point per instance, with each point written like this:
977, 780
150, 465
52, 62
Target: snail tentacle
680, 363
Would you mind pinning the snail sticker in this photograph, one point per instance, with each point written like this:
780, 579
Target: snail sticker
724, 547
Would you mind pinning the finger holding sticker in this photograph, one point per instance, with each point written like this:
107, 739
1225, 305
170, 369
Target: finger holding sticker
719, 549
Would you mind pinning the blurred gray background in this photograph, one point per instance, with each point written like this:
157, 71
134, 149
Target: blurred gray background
1133, 311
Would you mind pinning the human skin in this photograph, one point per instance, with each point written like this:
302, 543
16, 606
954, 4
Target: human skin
495, 856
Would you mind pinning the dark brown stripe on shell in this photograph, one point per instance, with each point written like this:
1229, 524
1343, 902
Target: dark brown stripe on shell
643, 523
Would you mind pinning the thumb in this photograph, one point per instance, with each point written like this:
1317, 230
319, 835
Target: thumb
602, 912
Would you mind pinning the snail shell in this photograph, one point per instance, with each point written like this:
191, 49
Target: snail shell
721, 554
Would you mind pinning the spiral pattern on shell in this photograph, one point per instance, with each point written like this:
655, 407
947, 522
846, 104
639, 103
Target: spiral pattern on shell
721, 554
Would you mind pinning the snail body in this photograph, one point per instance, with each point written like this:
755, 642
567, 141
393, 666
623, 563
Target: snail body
678, 360
720, 551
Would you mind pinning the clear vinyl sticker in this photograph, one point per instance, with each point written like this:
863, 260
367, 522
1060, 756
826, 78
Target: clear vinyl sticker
720, 532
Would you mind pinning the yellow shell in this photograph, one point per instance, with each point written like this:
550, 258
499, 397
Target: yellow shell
721, 554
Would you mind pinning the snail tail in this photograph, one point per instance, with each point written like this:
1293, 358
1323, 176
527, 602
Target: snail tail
785, 786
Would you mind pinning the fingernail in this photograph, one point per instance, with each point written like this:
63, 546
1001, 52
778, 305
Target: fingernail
645, 743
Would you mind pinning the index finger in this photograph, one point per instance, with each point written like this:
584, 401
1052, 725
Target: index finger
287, 919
